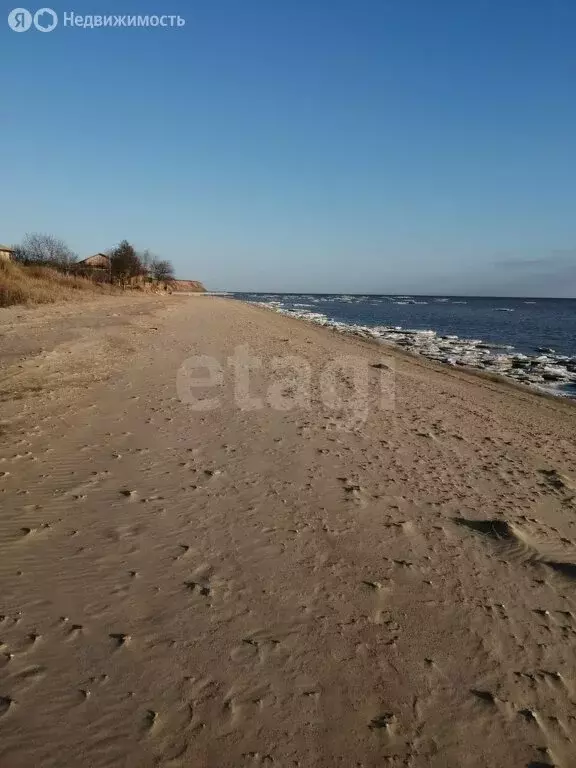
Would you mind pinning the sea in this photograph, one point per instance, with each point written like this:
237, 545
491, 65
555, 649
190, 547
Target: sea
541, 329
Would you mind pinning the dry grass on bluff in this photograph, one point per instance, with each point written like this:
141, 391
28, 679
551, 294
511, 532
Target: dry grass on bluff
41, 285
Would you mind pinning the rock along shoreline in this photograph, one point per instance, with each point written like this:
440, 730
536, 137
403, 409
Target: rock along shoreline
546, 371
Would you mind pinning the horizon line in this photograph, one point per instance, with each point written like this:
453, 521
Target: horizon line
400, 295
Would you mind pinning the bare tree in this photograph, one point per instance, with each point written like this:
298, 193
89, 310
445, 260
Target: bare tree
162, 270
146, 259
37, 248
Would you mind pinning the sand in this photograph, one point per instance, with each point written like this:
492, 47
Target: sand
386, 580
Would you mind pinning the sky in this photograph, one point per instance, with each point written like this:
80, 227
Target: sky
382, 146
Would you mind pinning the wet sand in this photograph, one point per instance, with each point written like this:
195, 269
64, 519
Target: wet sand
269, 587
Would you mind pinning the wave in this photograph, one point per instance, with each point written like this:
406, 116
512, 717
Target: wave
546, 371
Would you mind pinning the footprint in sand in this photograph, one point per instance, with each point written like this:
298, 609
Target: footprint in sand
486, 696
150, 719
6, 704
120, 639
74, 631
556, 480
184, 549
384, 722
199, 588
27, 531
354, 491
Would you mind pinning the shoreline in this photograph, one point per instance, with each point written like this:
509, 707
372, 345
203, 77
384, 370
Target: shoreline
474, 355
475, 374
242, 586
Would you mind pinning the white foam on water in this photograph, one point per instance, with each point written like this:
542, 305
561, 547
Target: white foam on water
547, 371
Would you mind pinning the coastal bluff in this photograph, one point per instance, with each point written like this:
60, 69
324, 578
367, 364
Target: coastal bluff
188, 286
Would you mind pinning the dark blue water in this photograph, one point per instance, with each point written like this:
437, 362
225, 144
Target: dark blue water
533, 323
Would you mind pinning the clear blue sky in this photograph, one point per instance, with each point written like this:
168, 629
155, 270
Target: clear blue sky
316, 145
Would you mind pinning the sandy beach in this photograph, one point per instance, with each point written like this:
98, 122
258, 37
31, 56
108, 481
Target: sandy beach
369, 562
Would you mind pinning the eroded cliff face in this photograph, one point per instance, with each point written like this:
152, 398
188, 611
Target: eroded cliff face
189, 286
